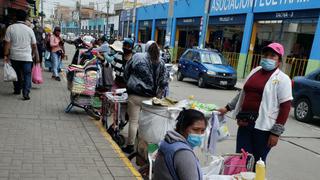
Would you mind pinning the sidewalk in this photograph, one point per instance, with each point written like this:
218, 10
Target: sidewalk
38, 141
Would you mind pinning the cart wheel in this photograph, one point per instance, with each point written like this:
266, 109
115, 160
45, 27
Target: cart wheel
68, 109
92, 113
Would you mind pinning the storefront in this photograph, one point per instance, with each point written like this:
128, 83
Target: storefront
187, 34
160, 32
145, 31
294, 29
225, 34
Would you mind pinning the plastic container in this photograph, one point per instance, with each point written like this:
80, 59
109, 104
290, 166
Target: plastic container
260, 170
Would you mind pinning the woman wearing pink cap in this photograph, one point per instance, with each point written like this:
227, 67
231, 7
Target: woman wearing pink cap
262, 107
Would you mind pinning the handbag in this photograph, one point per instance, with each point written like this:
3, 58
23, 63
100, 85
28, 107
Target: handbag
247, 116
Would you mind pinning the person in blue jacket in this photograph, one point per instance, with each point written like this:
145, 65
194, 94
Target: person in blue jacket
176, 159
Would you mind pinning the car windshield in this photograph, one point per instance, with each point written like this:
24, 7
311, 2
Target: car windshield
212, 58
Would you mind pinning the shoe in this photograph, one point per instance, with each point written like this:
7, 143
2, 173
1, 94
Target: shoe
53, 77
58, 79
26, 97
17, 92
128, 149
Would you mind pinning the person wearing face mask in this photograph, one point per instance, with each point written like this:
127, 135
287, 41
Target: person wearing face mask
262, 107
176, 159
146, 78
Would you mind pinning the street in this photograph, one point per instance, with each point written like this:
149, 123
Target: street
297, 155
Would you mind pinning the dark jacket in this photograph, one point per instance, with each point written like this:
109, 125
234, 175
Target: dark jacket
141, 79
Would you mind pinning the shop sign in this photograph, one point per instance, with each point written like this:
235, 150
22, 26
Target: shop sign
219, 20
161, 23
241, 6
189, 21
145, 23
284, 5
287, 15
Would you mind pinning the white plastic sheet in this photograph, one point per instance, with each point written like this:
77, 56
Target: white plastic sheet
155, 121
9, 73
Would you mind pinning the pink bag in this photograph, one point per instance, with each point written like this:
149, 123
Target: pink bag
37, 74
236, 164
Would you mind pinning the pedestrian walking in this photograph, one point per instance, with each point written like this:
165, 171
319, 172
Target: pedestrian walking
176, 159
40, 37
262, 107
20, 46
57, 52
145, 76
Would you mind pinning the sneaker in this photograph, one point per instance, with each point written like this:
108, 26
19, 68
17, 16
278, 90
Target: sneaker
128, 149
58, 79
26, 97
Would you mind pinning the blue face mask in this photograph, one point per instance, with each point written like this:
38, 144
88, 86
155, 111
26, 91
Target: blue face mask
268, 64
195, 139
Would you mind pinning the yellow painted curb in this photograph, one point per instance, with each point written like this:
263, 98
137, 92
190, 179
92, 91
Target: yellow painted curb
118, 150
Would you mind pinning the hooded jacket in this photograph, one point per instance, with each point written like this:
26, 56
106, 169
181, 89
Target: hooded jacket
141, 78
184, 161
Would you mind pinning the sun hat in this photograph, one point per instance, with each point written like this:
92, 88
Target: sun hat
117, 46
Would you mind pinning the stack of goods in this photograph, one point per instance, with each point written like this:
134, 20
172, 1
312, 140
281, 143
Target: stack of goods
90, 83
78, 83
206, 109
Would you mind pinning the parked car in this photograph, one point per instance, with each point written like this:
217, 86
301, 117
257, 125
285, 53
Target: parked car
209, 67
306, 96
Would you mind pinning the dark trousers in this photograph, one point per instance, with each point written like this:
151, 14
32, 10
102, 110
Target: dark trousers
253, 141
23, 70
40, 52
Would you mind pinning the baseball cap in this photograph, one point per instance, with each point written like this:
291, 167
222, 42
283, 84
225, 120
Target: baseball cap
276, 47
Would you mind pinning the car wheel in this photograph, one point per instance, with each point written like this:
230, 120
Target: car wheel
180, 76
303, 110
201, 82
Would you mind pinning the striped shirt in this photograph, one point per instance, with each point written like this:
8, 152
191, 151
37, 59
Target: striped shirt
119, 64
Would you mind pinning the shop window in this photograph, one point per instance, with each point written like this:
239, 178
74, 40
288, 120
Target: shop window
296, 35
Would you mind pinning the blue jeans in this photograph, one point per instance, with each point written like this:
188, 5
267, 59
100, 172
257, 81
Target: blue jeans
23, 70
253, 141
56, 60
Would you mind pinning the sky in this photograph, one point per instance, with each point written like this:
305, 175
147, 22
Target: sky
50, 4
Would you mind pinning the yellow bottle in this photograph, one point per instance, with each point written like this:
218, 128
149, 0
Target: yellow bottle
260, 170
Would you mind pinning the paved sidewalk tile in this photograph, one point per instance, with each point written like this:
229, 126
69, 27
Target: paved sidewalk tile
39, 141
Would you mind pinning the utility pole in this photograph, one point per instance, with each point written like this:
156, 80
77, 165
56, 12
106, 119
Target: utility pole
134, 19
79, 16
42, 14
205, 22
107, 20
169, 23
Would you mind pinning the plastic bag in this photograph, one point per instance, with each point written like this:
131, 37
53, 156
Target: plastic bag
154, 122
236, 164
9, 73
215, 166
37, 74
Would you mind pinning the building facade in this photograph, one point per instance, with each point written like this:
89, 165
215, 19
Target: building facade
239, 28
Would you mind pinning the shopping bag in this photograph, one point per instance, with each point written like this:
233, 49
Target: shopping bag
214, 167
37, 74
9, 73
236, 164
